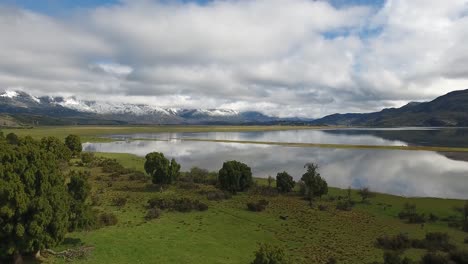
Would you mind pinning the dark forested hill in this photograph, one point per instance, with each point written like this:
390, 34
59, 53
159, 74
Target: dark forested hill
447, 110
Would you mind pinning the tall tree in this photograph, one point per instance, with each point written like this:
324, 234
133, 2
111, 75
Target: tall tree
284, 182
160, 169
34, 201
73, 143
235, 176
81, 215
314, 183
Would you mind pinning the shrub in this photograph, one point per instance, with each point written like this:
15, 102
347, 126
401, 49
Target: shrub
398, 242
315, 185
87, 157
153, 213
180, 204
119, 201
267, 254
434, 241
459, 256
344, 205
258, 206
188, 185
434, 258
218, 195
322, 207
394, 257
466, 240
162, 170
409, 213
263, 190
107, 219
365, 193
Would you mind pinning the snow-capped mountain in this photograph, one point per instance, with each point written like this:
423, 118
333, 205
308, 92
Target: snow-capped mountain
81, 111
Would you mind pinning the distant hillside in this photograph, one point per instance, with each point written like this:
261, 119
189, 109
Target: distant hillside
447, 110
30, 110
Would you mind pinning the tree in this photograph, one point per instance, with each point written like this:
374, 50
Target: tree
160, 169
12, 139
174, 169
284, 182
73, 143
235, 176
34, 202
315, 185
270, 181
55, 146
365, 193
267, 254
81, 215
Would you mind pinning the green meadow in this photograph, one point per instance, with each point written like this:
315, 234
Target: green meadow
228, 233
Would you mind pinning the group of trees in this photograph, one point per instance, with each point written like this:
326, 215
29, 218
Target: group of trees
236, 176
37, 207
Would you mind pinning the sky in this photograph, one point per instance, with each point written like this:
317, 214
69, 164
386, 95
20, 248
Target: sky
306, 58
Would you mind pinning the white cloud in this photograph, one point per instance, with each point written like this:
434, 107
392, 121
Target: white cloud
288, 58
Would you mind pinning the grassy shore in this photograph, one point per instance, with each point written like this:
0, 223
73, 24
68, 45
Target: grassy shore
96, 133
229, 233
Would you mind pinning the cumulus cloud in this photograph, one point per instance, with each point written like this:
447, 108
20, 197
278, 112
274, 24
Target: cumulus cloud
286, 58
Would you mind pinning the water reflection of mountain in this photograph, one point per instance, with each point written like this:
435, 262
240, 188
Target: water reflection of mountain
446, 137
433, 137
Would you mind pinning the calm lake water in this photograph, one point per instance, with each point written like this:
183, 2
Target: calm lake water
409, 173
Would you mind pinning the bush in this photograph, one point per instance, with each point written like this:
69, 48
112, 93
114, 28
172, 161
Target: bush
459, 256
263, 190
365, 193
188, 185
267, 254
434, 241
119, 201
434, 258
218, 195
107, 219
180, 204
323, 207
394, 257
398, 242
344, 205
258, 206
153, 213
87, 157
409, 213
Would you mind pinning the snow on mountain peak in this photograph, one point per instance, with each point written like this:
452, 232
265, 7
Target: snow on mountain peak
9, 94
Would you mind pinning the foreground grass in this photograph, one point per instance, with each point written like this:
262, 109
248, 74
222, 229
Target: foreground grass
228, 233
96, 133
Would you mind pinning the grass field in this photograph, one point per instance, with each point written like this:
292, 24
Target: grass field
229, 233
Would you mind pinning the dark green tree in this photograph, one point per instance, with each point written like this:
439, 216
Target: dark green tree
160, 169
315, 185
2, 136
34, 202
235, 176
81, 215
73, 142
284, 182
174, 169
57, 147
267, 254
12, 139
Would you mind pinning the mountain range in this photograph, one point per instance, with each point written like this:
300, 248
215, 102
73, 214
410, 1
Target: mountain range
48, 110
448, 110
18, 107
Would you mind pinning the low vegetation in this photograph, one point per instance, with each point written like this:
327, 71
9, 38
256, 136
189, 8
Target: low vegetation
108, 205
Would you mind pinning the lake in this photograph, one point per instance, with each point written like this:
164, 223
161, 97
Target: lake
407, 173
